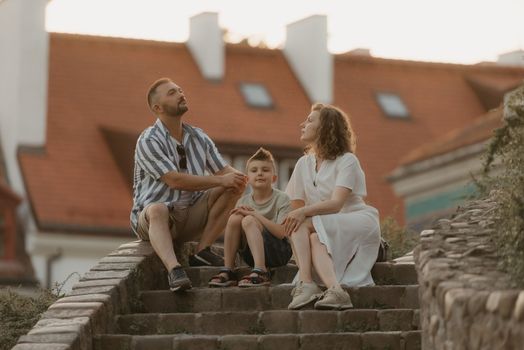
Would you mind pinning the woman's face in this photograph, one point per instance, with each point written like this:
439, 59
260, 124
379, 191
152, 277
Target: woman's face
310, 127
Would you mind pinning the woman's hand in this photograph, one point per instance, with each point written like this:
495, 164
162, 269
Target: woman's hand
293, 220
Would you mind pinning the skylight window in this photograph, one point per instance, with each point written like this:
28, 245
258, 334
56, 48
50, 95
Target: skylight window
256, 95
392, 105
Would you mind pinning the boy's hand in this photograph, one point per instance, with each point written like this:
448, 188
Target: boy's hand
243, 210
293, 220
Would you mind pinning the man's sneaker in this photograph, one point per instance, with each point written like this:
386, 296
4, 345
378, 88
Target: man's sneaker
178, 279
303, 294
334, 298
205, 257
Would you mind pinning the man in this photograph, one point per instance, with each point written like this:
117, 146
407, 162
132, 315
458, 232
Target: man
173, 197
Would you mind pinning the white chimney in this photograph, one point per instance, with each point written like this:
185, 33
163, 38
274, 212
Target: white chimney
24, 45
513, 58
307, 53
206, 45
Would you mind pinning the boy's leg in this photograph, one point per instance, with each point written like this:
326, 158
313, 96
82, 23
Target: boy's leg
231, 244
253, 231
232, 240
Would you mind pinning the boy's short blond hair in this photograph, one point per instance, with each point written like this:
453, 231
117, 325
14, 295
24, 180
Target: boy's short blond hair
263, 155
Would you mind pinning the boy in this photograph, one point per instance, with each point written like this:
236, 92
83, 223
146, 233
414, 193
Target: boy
257, 216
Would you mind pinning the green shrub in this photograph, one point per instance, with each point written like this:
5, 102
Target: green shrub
19, 314
506, 186
400, 239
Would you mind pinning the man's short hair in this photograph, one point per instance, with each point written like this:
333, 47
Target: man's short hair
263, 155
152, 90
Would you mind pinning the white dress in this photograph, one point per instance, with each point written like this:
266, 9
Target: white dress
352, 236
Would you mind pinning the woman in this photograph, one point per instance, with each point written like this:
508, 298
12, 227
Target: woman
331, 228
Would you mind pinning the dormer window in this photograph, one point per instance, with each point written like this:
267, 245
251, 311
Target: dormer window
256, 95
392, 105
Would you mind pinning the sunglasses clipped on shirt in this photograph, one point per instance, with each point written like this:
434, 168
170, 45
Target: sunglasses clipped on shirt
183, 158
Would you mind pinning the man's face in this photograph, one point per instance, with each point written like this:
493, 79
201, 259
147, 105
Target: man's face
171, 100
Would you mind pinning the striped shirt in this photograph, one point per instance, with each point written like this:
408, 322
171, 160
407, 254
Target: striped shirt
156, 155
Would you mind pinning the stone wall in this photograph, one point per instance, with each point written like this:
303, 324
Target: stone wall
466, 302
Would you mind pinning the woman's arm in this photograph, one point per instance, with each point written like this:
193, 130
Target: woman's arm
300, 211
330, 206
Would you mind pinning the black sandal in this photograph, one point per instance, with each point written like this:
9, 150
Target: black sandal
223, 281
261, 278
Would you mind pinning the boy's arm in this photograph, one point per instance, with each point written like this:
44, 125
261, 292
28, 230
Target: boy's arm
275, 229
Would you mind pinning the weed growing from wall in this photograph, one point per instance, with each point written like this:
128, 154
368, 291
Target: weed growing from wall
400, 239
507, 185
19, 314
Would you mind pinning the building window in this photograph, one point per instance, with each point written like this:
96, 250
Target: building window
392, 105
256, 95
285, 169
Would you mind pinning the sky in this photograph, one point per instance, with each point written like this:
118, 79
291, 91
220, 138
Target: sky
455, 31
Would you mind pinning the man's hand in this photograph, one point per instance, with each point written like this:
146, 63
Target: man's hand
234, 180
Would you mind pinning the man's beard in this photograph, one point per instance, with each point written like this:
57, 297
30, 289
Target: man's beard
175, 111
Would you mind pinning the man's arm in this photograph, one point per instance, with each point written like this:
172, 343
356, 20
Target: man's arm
227, 170
188, 182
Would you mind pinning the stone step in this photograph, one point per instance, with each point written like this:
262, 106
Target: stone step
383, 273
268, 298
409, 340
276, 321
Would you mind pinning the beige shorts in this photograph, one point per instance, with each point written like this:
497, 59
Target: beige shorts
184, 224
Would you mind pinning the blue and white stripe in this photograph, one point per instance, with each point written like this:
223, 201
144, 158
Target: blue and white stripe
156, 155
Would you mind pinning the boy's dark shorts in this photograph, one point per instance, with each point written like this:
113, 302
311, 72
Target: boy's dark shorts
277, 251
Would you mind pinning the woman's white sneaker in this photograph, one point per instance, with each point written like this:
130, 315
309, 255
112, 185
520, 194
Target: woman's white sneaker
303, 294
334, 298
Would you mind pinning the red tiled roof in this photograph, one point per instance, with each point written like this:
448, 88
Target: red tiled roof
437, 96
481, 129
98, 84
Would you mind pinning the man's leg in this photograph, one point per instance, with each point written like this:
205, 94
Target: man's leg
159, 235
220, 203
154, 225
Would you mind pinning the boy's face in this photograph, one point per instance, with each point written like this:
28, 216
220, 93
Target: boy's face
260, 174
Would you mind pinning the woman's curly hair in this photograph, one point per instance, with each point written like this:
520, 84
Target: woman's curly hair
335, 135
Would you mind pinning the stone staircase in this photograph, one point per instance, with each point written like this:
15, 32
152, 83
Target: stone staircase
385, 316
123, 303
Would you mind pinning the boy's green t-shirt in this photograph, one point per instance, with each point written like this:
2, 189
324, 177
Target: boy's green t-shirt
275, 209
